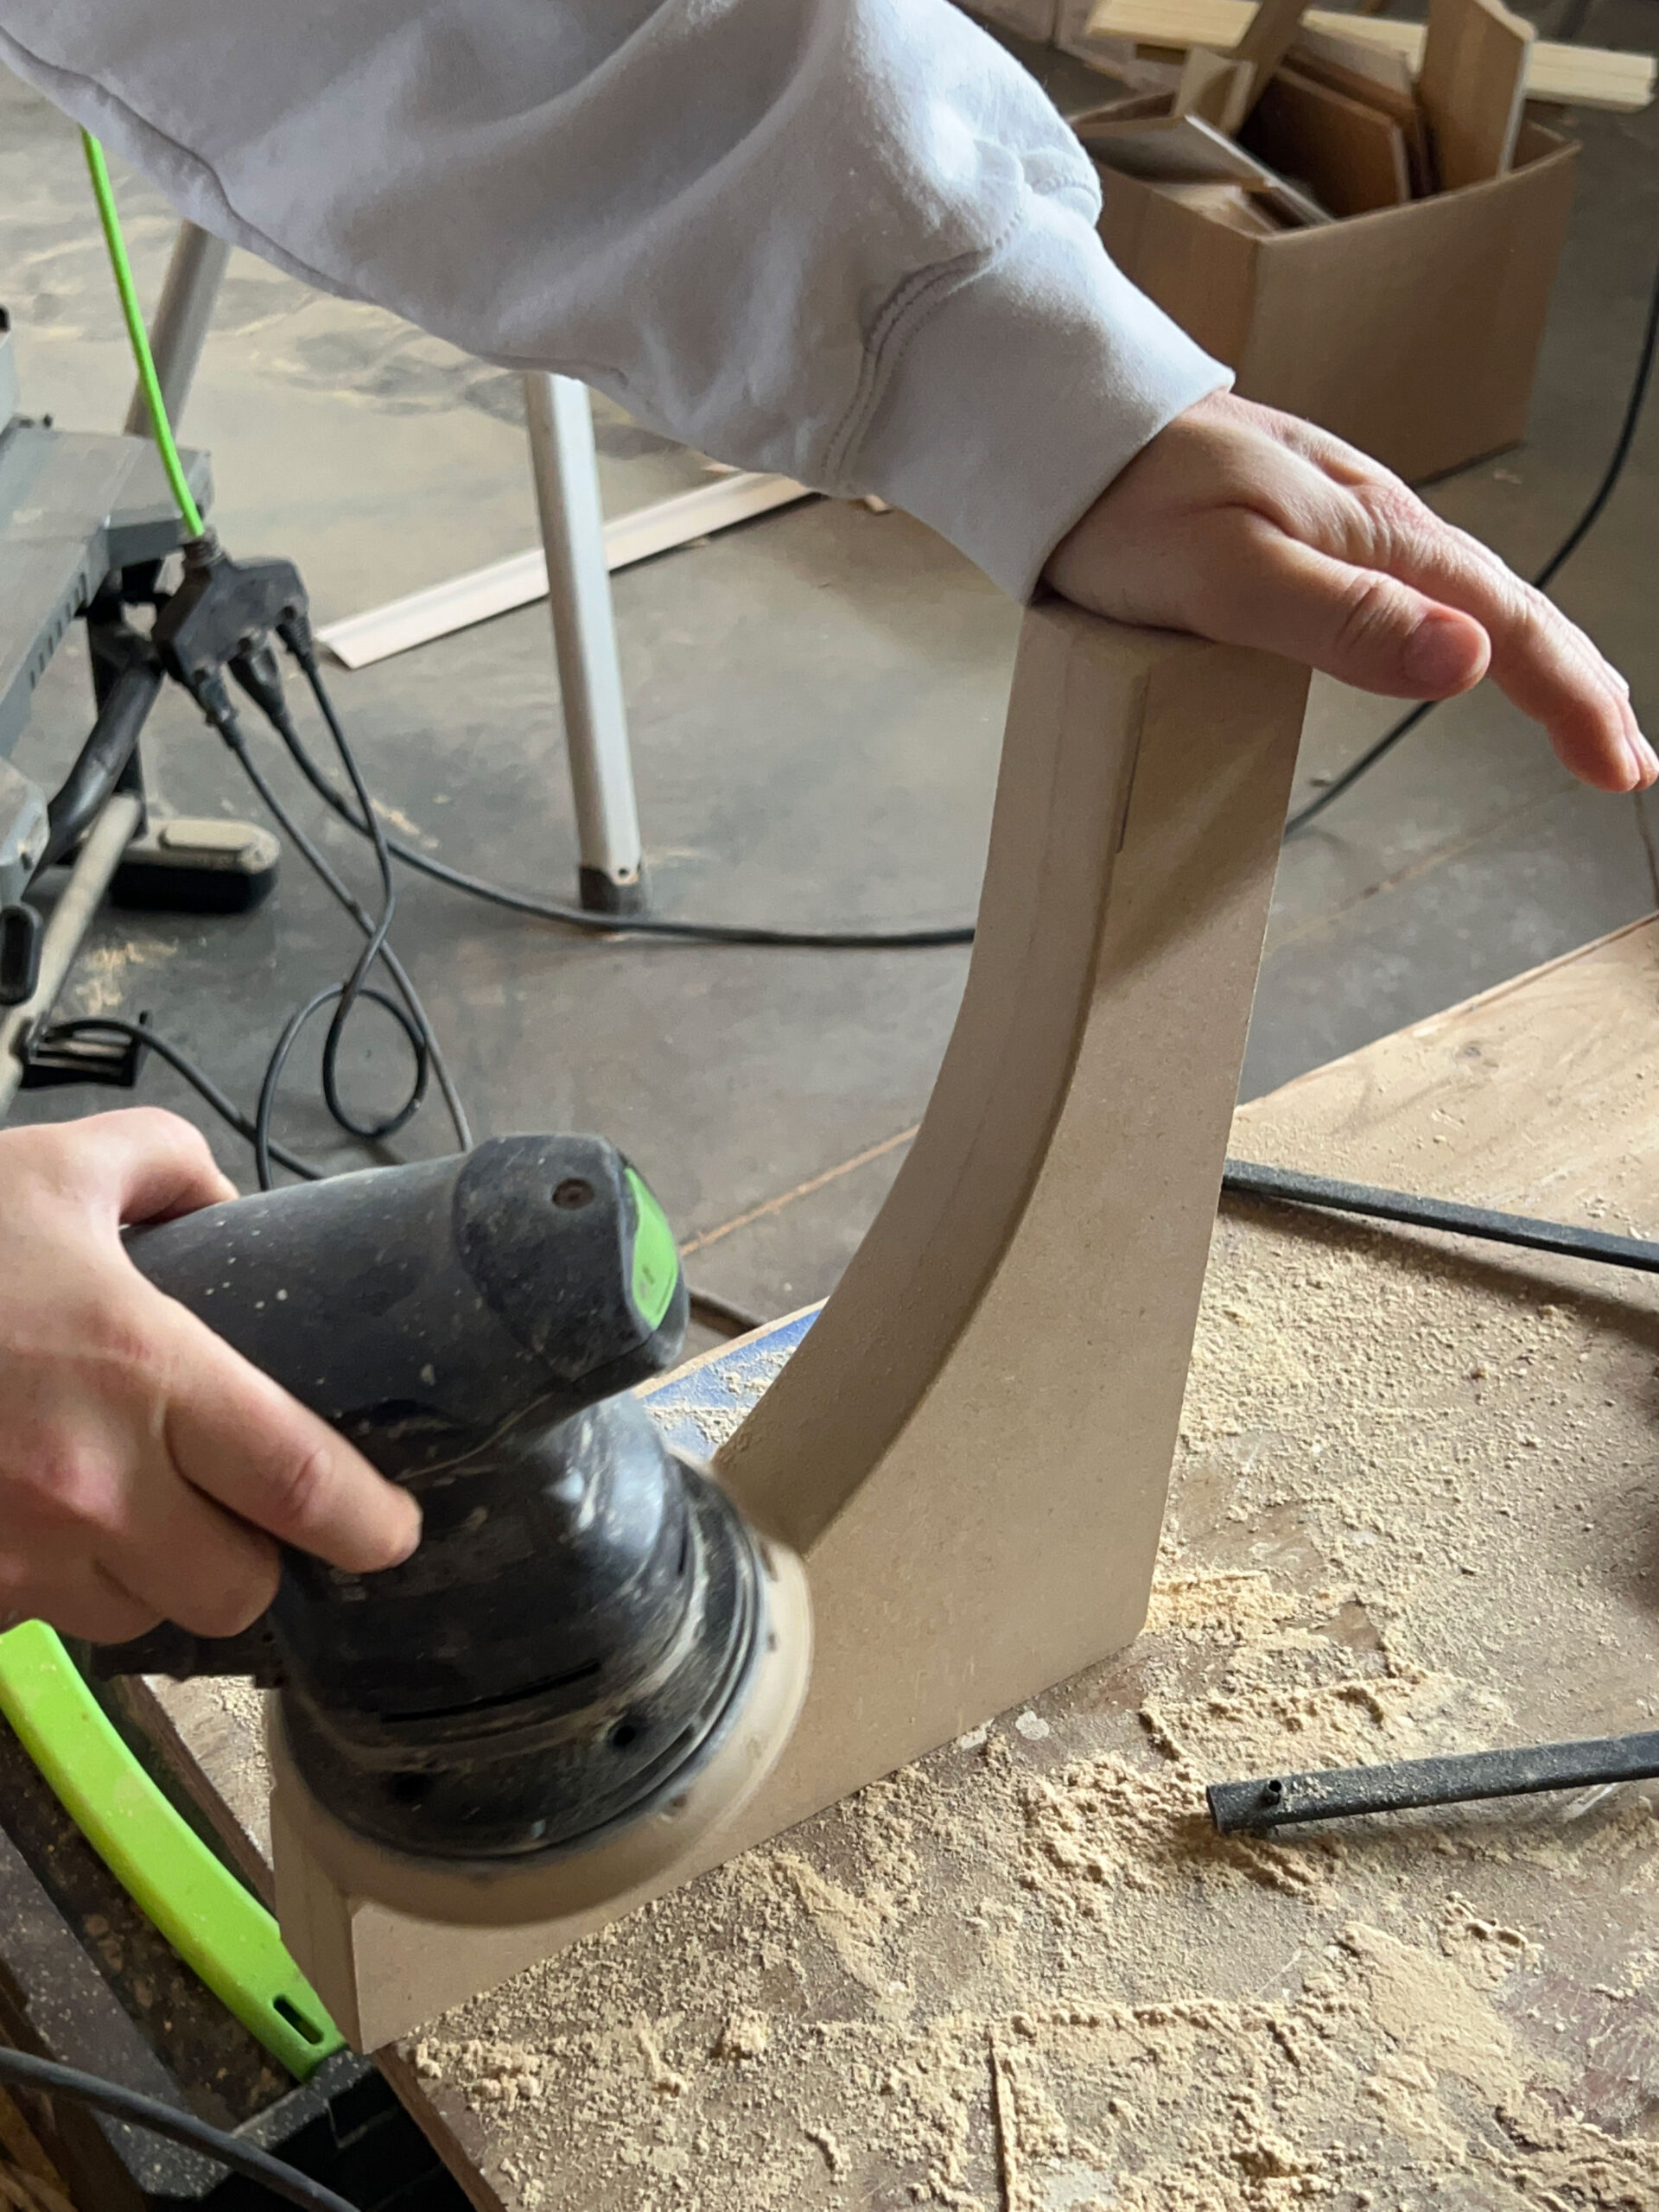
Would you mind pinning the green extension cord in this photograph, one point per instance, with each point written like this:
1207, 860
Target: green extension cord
121, 267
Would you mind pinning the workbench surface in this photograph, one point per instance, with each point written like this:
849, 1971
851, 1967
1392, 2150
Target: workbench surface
1413, 1510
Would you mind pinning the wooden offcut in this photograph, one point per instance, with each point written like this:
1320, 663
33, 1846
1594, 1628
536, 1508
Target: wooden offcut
1472, 86
1263, 46
1351, 156
1575, 76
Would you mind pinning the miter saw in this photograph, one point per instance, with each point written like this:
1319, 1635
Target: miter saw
592, 1658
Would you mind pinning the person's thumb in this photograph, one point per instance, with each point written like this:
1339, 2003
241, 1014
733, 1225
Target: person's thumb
1357, 624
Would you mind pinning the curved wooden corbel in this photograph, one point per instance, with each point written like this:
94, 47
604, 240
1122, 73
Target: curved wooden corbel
971, 1445
970, 1448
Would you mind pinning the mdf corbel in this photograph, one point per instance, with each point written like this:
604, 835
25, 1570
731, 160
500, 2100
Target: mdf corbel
971, 1445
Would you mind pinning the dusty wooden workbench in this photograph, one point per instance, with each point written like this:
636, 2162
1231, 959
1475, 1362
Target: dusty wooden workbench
1415, 1507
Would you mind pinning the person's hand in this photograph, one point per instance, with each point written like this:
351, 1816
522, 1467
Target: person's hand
145, 1467
1251, 527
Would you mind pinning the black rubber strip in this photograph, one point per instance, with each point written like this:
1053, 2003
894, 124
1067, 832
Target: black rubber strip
1334, 1793
1246, 1178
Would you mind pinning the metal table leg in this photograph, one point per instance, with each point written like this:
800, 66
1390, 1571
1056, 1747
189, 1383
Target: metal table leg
179, 330
584, 640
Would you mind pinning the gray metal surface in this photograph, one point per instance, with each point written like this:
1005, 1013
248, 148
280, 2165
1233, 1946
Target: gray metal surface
23, 831
73, 505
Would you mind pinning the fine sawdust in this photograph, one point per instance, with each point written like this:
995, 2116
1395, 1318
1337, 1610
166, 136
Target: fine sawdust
1409, 1515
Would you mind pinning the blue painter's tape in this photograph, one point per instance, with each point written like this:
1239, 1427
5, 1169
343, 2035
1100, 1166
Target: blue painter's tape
700, 1406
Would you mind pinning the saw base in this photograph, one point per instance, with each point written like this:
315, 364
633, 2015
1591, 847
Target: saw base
625, 1855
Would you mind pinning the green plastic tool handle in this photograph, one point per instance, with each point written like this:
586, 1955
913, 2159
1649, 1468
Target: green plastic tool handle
219, 1929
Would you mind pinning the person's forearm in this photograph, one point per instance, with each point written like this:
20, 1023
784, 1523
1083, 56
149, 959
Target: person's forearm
848, 239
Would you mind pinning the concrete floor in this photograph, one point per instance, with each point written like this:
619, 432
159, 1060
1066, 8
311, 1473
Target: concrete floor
816, 702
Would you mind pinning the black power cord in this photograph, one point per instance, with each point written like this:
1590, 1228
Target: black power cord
1545, 577
24, 2071
410, 1016
274, 706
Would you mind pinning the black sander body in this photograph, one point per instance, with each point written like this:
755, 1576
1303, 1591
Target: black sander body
591, 1658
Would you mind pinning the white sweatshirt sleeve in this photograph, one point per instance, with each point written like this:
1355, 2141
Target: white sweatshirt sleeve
848, 239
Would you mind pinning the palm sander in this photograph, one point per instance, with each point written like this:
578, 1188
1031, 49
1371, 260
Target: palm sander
592, 1658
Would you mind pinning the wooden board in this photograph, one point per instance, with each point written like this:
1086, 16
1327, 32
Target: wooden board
1379, 78
1472, 86
1577, 76
1171, 148
1360, 67
1213, 88
1351, 156
1412, 1509
1263, 46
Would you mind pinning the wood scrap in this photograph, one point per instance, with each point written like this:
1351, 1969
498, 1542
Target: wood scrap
1129, 107
1351, 157
1213, 88
1382, 79
1230, 205
1263, 46
1472, 86
1181, 147
1578, 76
1386, 74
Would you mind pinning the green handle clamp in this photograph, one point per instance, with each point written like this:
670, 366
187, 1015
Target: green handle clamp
219, 1929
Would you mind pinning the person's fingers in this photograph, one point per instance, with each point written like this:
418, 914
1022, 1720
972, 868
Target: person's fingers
191, 1561
143, 1163
239, 1439
89, 1602
1259, 587
1543, 662
1253, 527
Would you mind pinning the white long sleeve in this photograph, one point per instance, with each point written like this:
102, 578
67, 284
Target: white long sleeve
848, 239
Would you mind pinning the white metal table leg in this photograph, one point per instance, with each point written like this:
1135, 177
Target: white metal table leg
179, 330
566, 466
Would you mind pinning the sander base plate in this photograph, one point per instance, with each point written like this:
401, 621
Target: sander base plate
627, 1855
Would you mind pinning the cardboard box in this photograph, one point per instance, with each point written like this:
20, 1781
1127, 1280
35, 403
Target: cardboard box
1412, 332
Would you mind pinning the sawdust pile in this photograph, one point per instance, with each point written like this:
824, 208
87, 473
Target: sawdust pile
1411, 1514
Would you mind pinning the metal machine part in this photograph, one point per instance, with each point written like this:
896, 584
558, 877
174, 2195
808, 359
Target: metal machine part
84, 523
591, 1656
75, 507
23, 831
